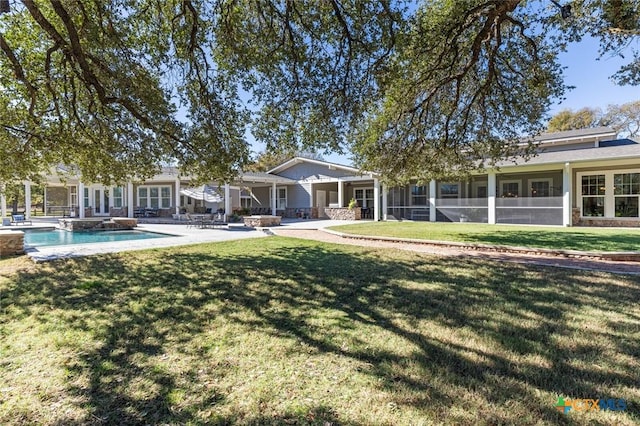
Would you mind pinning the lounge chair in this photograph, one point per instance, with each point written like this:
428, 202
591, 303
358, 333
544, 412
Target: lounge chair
19, 219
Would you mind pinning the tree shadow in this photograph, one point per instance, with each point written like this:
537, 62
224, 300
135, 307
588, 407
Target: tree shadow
138, 307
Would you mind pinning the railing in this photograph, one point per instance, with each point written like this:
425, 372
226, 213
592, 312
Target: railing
530, 210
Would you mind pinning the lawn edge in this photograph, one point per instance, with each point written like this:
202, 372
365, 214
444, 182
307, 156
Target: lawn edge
619, 256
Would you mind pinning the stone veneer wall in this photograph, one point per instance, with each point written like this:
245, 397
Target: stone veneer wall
343, 213
604, 222
115, 223
11, 243
260, 221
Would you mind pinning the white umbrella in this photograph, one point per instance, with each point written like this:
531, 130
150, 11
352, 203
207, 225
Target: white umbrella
204, 192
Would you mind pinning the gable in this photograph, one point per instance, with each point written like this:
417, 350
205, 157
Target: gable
313, 171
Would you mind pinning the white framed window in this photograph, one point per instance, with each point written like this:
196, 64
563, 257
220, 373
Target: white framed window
363, 196
73, 196
245, 199
510, 188
117, 197
155, 197
592, 193
449, 190
540, 187
87, 202
281, 197
626, 190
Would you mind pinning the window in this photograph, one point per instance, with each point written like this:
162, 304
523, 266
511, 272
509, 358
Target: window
245, 199
86, 197
510, 188
281, 198
154, 197
143, 195
165, 197
117, 197
626, 192
593, 191
364, 197
540, 187
73, 196
418, 195
449, 190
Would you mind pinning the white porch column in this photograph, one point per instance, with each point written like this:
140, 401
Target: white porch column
227, 202
3, 200
376, 200
27, 200
340, 193
177, 196
81, 205
385, 202
130, 199
432, 200
491, 197
273, 199
566, 195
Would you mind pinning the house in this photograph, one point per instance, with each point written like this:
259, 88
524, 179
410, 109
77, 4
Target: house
582, 177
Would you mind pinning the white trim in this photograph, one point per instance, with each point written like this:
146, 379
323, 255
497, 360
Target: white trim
330, 166
491, 197
502, 182
364, 195
160, 197
609, 192
542, 179
275, 205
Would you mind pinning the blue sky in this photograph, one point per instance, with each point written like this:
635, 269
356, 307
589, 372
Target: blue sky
592, 78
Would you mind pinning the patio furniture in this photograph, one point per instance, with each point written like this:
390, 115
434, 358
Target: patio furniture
19, 219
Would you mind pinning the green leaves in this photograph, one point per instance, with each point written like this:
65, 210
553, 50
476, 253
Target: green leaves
120, 87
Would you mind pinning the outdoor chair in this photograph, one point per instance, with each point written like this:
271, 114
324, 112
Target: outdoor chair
19, 219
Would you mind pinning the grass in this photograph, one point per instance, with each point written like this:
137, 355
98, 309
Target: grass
584, 239
285, 331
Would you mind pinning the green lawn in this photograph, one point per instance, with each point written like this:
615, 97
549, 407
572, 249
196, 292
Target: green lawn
585, 239
286, 331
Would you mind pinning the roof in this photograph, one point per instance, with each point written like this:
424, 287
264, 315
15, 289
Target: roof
297, 160
259, 177
608, 150
574, 136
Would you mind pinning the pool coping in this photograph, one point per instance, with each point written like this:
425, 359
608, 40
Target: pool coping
177, 235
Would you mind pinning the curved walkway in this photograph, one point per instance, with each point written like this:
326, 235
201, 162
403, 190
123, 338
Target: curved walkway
616, 267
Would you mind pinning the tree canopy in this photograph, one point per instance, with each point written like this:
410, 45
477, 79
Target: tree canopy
624, 119
118, 88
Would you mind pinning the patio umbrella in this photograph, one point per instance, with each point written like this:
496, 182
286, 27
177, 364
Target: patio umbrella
203, 192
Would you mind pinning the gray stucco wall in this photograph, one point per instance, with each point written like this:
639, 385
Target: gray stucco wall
315, 171
299, 195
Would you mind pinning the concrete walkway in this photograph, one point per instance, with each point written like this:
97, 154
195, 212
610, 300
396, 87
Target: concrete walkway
616, 267
180, 234
177, 234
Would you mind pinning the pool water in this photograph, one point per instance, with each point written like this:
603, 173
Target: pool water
57, 237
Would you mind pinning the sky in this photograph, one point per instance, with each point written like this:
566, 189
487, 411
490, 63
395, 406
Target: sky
592, 79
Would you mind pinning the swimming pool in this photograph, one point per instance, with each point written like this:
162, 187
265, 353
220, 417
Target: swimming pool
58, 237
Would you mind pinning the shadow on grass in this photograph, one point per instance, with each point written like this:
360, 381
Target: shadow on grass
143, 309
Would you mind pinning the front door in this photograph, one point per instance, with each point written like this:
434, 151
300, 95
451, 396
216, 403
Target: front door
321, 203
101, 202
